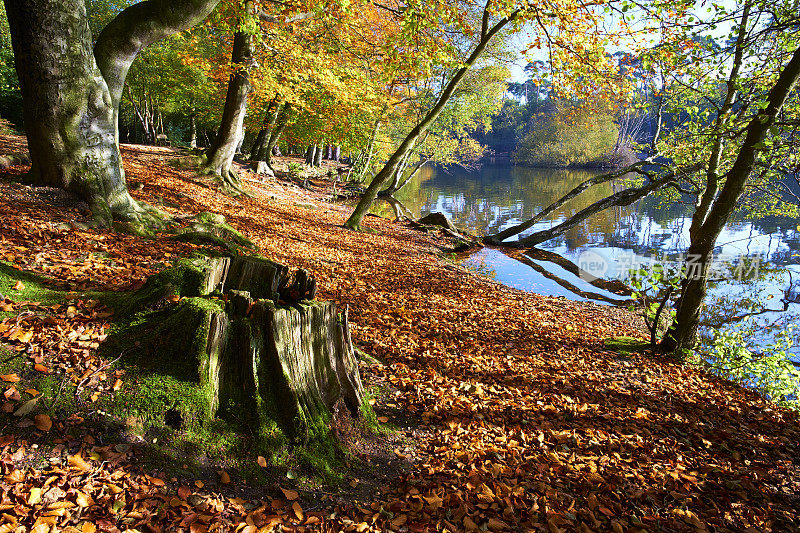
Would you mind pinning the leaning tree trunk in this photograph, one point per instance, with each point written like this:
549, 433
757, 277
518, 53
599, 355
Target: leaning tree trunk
625, 197
497, 238
71, 93
388, 170
268, 349
219, 157
706, 228
370, 149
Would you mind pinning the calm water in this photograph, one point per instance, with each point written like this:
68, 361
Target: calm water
497, 197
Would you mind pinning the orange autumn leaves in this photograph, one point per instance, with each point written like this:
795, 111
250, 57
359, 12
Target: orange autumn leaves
524, 425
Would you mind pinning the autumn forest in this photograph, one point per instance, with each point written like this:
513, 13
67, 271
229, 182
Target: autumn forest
407, 266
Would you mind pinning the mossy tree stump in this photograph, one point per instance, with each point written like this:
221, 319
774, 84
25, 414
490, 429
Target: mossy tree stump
261, 351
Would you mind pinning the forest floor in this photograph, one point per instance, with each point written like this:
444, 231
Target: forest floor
505, 409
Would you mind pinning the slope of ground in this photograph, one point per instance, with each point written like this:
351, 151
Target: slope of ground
522, 420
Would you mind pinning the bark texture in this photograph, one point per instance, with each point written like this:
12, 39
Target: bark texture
220, 155
71, 92
705, 231
272, 360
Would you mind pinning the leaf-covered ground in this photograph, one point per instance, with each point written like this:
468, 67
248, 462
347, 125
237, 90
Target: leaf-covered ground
521, 419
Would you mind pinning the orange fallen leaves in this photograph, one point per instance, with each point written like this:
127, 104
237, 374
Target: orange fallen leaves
524, 427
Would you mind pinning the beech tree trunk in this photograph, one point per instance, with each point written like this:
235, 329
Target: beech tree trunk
258, 151
220, 156
318, 154
280, 124
71, 93
311, 155
193, 129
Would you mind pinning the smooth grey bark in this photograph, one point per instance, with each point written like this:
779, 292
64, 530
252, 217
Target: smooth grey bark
193, 129
220, 156
280, 124
71, 92
258, 152
318, 154
388, 170
311, 155
683, 331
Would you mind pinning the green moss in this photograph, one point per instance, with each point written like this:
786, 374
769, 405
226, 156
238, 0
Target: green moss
169, 398
207, 217
35, 288
370, 419
132, 228
203, 237
625, 345
187, 278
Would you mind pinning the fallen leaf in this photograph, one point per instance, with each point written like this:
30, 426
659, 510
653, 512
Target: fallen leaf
79, 463
298, 511
290, 494
42, 422
35, 496
262, 462
18, 286
26, 407
11, 378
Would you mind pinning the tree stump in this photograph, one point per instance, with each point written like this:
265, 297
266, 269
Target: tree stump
287, 362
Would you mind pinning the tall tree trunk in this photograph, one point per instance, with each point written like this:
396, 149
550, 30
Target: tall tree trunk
318, 154
71, 93
258, 152
280, 124
388, 170
683, 331
220, 156
193, 129
311, 154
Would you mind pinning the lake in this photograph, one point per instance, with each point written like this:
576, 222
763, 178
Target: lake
496, 197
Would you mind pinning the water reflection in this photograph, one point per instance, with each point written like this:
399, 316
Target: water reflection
497, 197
